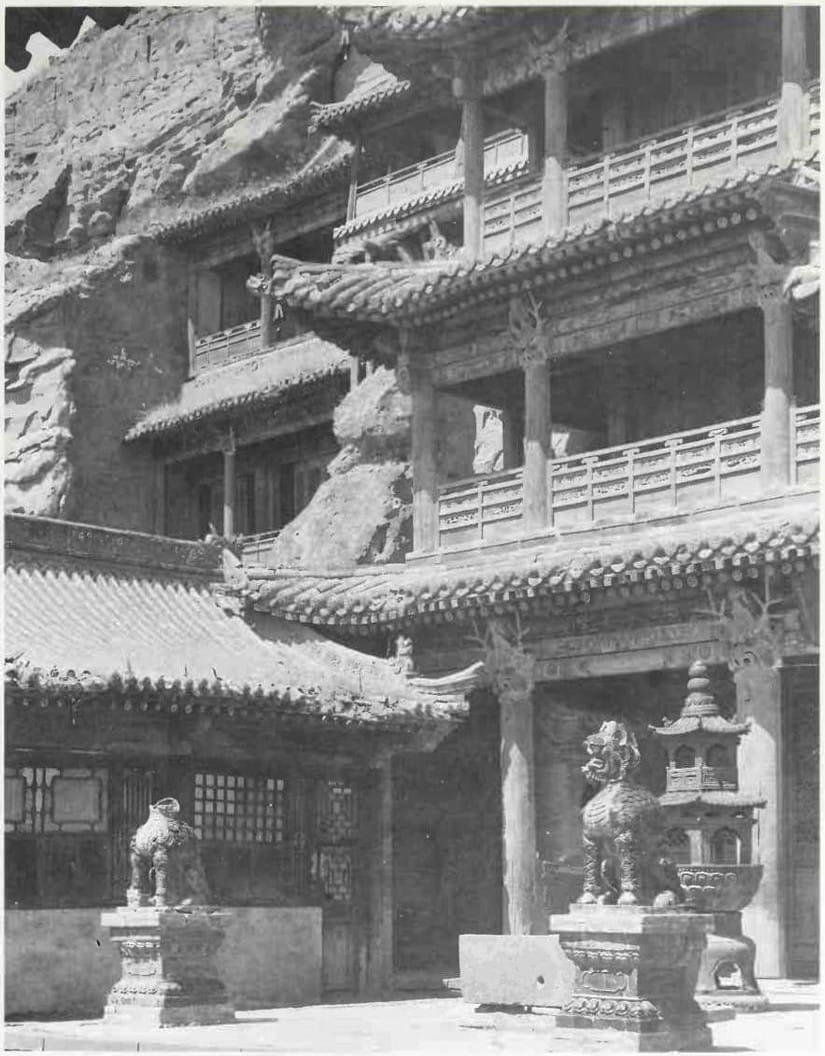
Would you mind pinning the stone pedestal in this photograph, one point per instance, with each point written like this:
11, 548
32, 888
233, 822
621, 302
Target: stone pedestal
169, 976
726, 972
636, 972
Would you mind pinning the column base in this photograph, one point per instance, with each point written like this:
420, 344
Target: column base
169, 975
636, 971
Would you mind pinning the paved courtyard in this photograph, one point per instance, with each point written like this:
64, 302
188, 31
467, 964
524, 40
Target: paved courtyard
440, 1026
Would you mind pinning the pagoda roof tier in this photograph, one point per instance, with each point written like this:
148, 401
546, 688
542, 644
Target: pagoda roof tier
565, 571
404, 294
711, 724
83, 622
376, 104
710, 799
264, 380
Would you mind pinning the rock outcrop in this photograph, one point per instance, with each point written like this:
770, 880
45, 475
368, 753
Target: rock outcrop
176, 107
362, 514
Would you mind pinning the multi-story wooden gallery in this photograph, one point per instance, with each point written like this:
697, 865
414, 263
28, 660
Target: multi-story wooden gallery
578, 248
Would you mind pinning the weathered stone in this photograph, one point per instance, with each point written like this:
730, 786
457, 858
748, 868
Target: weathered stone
530, 971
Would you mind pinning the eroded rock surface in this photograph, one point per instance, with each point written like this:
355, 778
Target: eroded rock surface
362, 514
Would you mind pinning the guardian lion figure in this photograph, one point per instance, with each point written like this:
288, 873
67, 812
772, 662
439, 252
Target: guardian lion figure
625, 855
165, 849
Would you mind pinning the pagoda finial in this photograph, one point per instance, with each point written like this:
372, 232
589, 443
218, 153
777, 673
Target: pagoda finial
700, 699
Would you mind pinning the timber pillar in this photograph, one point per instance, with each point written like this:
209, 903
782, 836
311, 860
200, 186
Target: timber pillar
759, 697
229, 488
380, 960
777, 406
467, 89
793, 105
518, 812
537, 441
554, 191
424, 457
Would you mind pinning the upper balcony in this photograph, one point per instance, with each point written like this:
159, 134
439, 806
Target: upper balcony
603, 186
683, 471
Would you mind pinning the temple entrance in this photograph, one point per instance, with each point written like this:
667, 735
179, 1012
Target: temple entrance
447, 853
802, 800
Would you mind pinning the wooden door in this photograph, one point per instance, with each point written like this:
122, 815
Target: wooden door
132, 789
337, 828
802, 799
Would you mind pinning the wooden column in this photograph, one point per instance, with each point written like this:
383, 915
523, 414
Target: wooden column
380, 958
192, 317
467, 89
352, 197
777, 407
510, 440
424, 460
793, 104
518, 812
554, 191
616, 401
759, 697
537, 442
266, 320
229, 489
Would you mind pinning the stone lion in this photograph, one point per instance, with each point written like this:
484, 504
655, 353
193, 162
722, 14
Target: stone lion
625, 854
165, 849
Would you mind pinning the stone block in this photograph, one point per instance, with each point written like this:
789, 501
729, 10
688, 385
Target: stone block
527, 970
636, 973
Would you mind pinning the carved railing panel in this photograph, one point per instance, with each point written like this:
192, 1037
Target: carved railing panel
805, 446
698, 467
238, 342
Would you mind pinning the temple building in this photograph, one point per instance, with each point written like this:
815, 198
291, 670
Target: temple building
358, 497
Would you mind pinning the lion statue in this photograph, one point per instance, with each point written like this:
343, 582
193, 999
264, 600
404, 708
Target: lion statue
625, 855
165, 849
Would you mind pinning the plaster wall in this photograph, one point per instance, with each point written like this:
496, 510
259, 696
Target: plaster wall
61, 962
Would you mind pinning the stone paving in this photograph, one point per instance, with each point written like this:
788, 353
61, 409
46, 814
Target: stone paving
440, 1026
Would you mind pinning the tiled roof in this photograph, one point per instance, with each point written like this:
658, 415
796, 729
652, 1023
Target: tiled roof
329, 169
263, 379
374, 26
338, 116
79, 629
412, 293
564, 572
707, 723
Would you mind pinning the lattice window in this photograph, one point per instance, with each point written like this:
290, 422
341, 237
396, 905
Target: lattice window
56, 799
336, 823
239, 809
336, 874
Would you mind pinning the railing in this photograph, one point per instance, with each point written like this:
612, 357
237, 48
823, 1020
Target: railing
256, 548
721, 778
500, 151
606, 186
805, 445
693, 468
480, 508
238, 342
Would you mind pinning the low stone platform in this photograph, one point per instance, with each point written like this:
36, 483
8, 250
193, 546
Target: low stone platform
406, 1027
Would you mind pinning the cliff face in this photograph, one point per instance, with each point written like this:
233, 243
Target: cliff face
176, 107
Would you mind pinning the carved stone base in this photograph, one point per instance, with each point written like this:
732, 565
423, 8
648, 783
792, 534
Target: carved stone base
636, 971
726, 975
169, 976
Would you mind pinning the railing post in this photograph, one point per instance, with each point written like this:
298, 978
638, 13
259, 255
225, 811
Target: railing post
793, 467
734, 139
631, 453
606, 184
589, 486
647, 165
480, 508
717, 435
352, 196
689, 155
674, 497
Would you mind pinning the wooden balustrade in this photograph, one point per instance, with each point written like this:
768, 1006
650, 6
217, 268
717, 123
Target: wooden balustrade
699, 467
238, 342
500, 151
805, 445
256, 547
